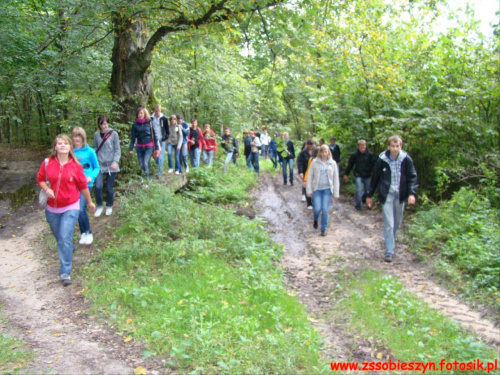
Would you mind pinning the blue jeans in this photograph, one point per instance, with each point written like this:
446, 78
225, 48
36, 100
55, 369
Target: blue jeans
229, 156
144, 155
288, 162
208, 157
110, 194
321, 203
253, 161
195, 157
392, 210
171, 149
62, 227
273, 155
160, 160
360, 183
83, 218
184, 157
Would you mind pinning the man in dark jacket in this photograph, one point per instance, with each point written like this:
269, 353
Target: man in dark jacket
286, 153
363, 162
302, 163
334, 149
230, 145
396, 178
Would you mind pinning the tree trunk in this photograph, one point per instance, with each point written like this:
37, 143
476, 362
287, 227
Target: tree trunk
130, 83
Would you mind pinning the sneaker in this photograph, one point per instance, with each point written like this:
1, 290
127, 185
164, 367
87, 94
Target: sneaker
388, 258
309, 207
98, 211
303, 198
170, 170
187, 169
284, 183
177, 172
65, 279
315, 224
291, 183
323, 233
89, 239
109, 211
357, 208
83, 239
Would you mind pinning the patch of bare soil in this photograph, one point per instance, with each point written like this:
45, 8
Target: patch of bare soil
354, 242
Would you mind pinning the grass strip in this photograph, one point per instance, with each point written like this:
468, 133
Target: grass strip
13, 352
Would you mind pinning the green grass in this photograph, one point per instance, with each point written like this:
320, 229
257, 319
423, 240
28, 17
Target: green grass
378, 306
13, 353
199, 285
462, 236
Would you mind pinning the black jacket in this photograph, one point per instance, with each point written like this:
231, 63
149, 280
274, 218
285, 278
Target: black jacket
382, 177
164, 128
229, 143
335, 150
143, 134
363, 162
302, 160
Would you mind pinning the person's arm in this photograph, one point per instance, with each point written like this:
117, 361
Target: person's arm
42, 179
412, 182
95, 165
377, 173
310, 178
235, 144
179, 141
350, 165
132, 140
117, 152
336, 183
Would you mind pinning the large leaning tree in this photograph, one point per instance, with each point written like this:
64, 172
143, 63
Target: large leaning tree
140, 25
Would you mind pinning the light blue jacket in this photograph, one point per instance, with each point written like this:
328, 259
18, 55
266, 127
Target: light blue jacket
88, 159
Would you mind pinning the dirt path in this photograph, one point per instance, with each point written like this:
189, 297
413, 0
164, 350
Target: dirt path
354, 242
42, 313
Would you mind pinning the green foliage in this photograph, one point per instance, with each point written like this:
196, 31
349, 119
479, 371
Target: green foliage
200, 286
464, 235
377, 306
13, 353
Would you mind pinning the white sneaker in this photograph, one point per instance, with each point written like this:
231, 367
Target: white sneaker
89, 239
176, 172
309, 207
187, 169
109, 211
170, 170
98, 211
83, 239
303, 198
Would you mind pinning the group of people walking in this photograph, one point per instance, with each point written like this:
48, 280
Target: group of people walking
68, 176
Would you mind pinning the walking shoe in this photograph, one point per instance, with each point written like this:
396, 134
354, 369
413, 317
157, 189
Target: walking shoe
89, 239
176, 172
83, 239
109, 211
323, 233
363, 198
303, 198
187, 169
170, 170
315, 224
65, 279
98, 211
291, 183
284, 183
388, 258
309, 207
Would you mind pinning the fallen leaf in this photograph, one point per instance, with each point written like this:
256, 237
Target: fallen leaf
129, 321
423, 287
29, 331
80, 292
267, 331
128, 339
57, 359
14, 236
71, 341
11, 286
180, 302
57, 334
243, 303
185, 335
224, 302
380, 355
140, 371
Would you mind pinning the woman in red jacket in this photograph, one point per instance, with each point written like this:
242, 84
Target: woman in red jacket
209, 145
61, 177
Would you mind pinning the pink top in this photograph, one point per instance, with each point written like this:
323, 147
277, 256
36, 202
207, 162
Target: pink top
60, 210
145, 145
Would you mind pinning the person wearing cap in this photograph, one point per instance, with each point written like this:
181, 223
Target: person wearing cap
334, 149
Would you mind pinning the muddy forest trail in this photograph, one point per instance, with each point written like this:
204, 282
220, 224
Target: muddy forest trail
52, 319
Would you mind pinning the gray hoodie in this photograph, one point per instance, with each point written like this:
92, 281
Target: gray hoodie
110, 151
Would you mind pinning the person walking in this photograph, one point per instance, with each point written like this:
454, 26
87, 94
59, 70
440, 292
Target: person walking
209, 145
273, 151
88, 160
61, 177
363, 162
174, 143
322, 182
195, 143
230, 145
265, 140
184, 167
148, 140
160, 123
286, 151
107, 148
334, 149
396, 178
255, 147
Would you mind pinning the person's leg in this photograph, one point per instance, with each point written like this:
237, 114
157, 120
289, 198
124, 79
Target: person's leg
284, 163
358, 181
63, 226
160, 160
197, 154
98, 184
110, 193
83, 218
211, 157
316, 198
178, 166
229, 156
191, 157
184, 156
235, 159
170, 148
290, 165
140, 157
309, 202
326, 196
249, 161
148, 154
255, 161
388, 213
205, 157
399, 209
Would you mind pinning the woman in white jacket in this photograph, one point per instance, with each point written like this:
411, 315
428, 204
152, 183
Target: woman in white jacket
322, 182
